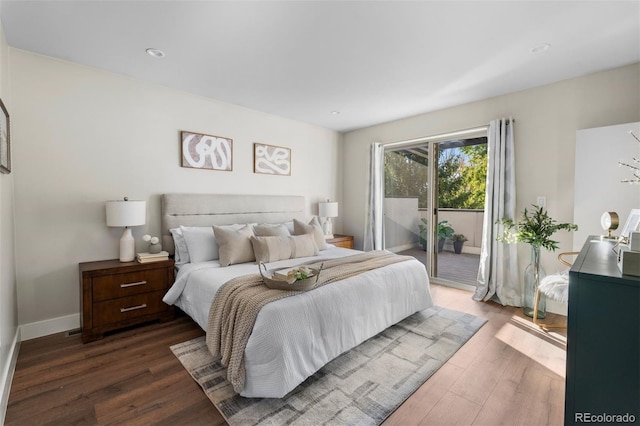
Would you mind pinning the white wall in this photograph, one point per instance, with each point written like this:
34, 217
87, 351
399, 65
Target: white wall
547, 118
468, 223
84, 136
597, 178
9, 339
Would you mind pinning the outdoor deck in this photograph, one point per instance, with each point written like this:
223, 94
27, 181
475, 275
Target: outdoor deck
460, 268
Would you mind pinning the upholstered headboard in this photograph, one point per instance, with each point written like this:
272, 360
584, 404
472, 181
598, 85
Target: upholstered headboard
226, 209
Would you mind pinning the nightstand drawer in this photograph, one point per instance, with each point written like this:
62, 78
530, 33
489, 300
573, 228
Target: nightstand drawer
124, 308
344, 244
128, 284
115, 294
345, 241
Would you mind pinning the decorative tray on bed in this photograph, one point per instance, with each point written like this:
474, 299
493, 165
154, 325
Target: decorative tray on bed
297, 278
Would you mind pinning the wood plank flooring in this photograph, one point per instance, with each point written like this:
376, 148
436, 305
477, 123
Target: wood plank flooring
508, 373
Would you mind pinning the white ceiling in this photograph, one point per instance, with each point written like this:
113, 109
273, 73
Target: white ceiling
374, 61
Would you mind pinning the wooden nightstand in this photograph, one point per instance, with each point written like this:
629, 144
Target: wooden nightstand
114, 295
338, 240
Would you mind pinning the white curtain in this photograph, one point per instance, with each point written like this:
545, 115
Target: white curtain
498, 273
374, 220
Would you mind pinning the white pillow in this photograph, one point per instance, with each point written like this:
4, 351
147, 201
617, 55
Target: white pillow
181, 252
313, 228
201, 243
289, 226
235, 244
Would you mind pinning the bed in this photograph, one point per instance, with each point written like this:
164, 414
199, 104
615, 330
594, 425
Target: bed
295, 336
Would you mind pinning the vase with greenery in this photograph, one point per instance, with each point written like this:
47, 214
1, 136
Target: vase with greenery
534, 228
458, 242
445, 230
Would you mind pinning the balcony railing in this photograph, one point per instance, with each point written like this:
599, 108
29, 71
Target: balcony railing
402, 235
402, 219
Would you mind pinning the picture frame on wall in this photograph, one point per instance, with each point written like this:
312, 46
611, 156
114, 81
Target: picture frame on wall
5, 141
208, 152
271, 159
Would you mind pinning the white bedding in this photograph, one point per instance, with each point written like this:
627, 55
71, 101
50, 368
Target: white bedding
295, 336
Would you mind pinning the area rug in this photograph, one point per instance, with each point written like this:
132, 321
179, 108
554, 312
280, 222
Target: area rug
361, 387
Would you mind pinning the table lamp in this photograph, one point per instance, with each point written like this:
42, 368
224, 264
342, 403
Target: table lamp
609, 222
126, 213
328, 210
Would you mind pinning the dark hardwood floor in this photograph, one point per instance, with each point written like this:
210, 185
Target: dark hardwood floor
130, 377
508, 373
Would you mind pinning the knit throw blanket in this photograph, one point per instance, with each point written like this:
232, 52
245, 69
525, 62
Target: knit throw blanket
235, 308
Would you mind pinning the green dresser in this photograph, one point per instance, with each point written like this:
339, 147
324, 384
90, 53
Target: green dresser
603, 345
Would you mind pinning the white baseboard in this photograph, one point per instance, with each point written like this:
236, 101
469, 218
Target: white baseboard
50, 326
6, 376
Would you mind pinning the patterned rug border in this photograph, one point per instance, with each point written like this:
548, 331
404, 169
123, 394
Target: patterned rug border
328, 396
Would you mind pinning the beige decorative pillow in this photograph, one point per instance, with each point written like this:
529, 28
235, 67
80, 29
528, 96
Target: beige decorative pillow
271, 230
234, 245
313, 228
303, 246
270, 249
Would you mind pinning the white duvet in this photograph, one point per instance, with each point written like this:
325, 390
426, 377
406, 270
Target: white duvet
295, 336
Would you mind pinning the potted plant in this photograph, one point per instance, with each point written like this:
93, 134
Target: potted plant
536, 229
458, 242
445, 230
424, 228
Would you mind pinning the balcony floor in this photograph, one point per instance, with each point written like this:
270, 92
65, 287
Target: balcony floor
460, 268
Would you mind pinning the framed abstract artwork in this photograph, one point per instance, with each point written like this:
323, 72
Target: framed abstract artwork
200, 151
271, 160
5, 141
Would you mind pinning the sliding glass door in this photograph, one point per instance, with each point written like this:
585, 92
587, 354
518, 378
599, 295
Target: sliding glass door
433, 204
407, 201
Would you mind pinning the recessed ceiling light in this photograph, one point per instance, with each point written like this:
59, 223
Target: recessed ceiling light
541, 48
156, 53
335, 112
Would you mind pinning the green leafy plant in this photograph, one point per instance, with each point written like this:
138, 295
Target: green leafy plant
445, 230
301, 276
458, 237
535, 228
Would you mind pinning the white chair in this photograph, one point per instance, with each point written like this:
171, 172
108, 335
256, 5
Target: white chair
555, 287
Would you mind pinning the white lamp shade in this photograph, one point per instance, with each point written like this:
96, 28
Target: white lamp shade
126, 213
328, 209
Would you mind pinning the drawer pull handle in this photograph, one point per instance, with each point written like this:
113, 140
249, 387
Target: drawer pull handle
132, 284
133, 308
